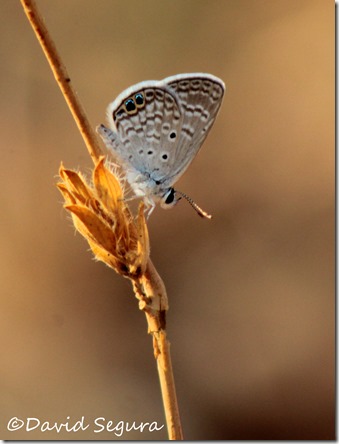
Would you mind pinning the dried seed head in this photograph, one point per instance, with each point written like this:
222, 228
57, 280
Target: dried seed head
101, 215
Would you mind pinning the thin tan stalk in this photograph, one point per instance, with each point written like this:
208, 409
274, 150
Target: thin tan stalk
165, 371
153, 285
147, 284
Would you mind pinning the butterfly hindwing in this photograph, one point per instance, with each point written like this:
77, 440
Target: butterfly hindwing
148, 121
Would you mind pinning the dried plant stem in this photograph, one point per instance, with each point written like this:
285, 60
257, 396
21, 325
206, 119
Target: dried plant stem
167, 385
149, 287
151, 292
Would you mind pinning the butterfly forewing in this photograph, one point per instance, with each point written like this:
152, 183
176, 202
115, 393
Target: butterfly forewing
200, 97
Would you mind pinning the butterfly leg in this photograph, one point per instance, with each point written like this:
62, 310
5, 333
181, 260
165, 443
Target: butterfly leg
129, 199
149, 205
150, 210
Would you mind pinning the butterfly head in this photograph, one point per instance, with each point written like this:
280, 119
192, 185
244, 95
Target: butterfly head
172, 197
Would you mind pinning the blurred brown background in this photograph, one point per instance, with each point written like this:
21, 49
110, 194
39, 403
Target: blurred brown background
251, 317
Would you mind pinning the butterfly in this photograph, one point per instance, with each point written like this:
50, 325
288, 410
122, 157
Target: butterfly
156, 128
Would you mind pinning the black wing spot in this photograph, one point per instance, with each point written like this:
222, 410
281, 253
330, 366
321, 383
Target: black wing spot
173, 135
130, 105
139, 99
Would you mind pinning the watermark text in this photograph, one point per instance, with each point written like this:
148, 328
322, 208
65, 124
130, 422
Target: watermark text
98, 425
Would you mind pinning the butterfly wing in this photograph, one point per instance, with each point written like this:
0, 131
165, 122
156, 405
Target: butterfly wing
200, 96
157, 128
147, 118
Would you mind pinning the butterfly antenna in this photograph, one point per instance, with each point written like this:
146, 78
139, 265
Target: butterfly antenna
199, 210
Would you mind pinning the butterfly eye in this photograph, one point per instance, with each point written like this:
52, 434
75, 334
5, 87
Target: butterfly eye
169, 199
139, 99
130, 105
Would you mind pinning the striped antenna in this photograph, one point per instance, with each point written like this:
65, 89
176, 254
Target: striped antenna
199, 210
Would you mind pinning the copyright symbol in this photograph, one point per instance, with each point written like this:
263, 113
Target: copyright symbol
14, 424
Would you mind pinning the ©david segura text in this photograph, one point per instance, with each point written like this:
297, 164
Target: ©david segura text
98, 425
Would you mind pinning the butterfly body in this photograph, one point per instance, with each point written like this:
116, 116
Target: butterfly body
157, 128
